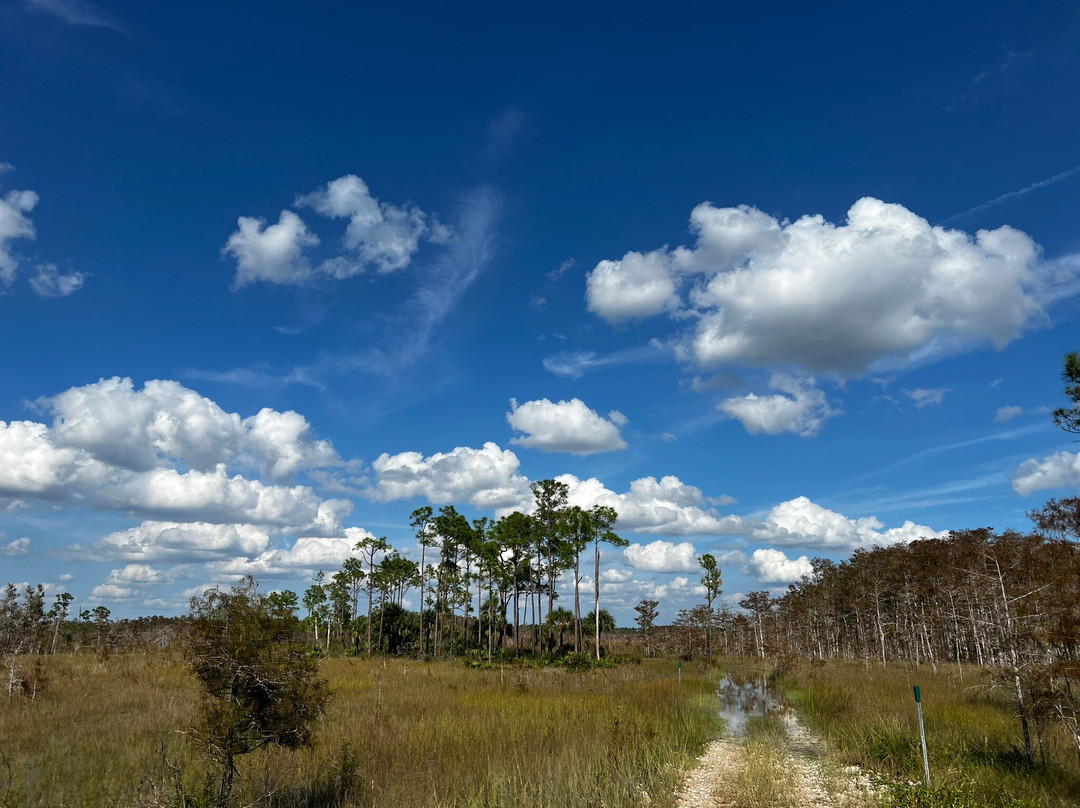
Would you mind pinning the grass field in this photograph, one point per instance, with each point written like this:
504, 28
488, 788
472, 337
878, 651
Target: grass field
975, 746
398, 733
405, 733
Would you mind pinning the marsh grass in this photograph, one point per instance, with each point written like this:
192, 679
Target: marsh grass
868, 717
396, 733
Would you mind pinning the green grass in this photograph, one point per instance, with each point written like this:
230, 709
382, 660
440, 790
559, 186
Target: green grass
868, 717
399, 733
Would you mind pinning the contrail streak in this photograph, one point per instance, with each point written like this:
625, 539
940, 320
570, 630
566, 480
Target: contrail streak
1064, 175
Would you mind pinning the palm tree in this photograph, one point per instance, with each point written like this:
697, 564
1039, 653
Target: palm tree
560, 620
607, 623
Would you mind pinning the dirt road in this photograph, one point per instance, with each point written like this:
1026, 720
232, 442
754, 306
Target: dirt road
784, 771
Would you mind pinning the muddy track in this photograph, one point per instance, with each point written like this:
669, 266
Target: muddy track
796, 775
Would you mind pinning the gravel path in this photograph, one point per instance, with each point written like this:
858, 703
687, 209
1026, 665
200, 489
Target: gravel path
807, 779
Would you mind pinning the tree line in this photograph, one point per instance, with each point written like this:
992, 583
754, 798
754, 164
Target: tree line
1008, 602
1005, 601
486, 586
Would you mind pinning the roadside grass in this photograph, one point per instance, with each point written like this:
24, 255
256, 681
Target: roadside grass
973, 735
396, 733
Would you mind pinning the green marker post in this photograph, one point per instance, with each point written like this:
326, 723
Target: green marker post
922, 735
680, 674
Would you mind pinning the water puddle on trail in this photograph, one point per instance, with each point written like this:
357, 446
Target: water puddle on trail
742, 697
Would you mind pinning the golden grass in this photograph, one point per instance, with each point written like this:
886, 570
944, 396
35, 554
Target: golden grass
396, 733
868, 717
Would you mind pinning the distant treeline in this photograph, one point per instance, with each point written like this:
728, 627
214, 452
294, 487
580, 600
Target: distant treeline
1009, 602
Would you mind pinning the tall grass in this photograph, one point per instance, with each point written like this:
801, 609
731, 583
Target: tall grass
397, 733
975, 747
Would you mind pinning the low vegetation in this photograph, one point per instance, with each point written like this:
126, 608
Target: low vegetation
977, 758
397, 733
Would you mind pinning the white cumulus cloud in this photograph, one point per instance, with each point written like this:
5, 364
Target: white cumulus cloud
487, 477
135, 574
662, 556
32, 466
142, 429
802, 523
884, 285
281, 444
154, 541
1005, 413
112, 592
166, 452
799, 407
215, 496
14, 224
379, 233
638, 285
306, 555
273, 253
773, 566
15, 547
1059, 470
667, 506
566, 426
925, 397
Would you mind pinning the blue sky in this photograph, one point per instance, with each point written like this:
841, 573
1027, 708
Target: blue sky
776, 282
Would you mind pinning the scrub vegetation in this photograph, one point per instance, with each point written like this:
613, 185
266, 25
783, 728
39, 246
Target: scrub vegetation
395, 733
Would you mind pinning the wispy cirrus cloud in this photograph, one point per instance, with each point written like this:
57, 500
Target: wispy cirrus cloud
503, 133
408, 332
881, 500
575, 364
405, 335
1007, 435
260, 376
77, 12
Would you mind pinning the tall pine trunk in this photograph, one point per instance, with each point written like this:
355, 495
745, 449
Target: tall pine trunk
577, 602
596, 600
423, 579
